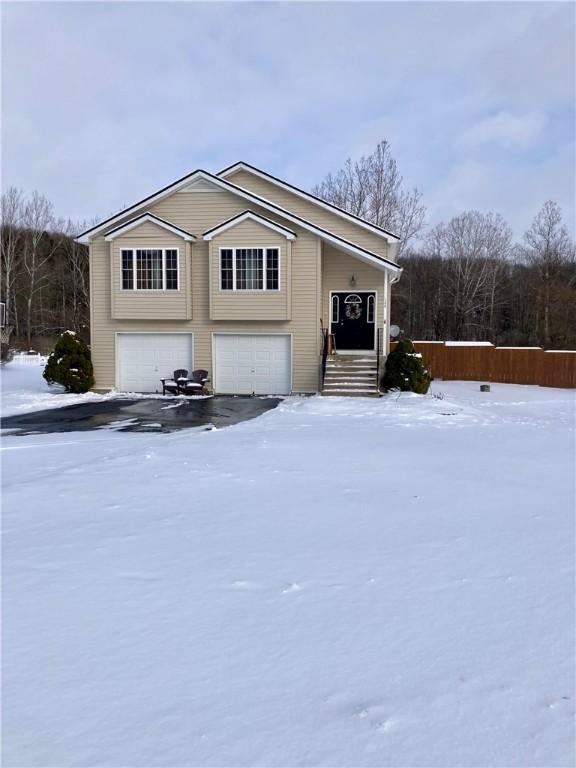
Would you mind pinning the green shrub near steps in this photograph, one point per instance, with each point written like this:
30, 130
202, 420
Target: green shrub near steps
404, 370
70, 364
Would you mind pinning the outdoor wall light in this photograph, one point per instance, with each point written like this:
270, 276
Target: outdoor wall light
353, 280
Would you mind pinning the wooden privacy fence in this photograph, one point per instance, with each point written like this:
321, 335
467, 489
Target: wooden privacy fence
482, 361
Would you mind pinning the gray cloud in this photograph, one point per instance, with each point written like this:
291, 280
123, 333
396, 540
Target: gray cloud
105, 102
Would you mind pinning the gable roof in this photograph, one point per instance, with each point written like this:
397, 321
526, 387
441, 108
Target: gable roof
242, 166
153, 219
324, 234
249, 215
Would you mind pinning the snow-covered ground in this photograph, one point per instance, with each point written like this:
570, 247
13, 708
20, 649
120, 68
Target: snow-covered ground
340, 582
24, 390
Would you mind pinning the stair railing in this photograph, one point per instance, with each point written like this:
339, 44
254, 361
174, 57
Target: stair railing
378, 359
325, 346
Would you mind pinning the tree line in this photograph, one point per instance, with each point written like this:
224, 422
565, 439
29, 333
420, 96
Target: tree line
462, 279
466, 279
44, 273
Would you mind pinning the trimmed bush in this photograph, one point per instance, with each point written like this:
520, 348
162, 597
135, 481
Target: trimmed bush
404, 370
70, 364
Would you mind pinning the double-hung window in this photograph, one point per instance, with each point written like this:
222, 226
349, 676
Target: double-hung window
250, 269
149, 269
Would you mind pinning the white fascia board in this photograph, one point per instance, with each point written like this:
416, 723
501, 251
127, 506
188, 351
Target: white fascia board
304, 224
262, 203
153, 220
311, 198
86, 236
248, 215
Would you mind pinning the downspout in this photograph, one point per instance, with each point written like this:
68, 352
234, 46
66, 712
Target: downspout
388, 283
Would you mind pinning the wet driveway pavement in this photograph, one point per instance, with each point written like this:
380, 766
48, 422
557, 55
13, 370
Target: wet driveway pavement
141, 415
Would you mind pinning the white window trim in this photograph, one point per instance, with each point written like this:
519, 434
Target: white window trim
135, 248
264, 248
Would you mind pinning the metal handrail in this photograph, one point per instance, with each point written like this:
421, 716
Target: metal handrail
378, 359
325, 337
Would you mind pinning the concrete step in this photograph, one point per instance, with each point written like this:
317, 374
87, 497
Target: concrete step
351, 375
351, 371
350, 393
367, 381
348, 384
351, 359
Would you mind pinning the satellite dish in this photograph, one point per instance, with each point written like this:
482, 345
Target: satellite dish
394, 331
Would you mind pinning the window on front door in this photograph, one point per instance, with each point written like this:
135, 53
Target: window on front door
249, 269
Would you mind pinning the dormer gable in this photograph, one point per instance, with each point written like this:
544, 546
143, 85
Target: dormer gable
152, 219
249, 216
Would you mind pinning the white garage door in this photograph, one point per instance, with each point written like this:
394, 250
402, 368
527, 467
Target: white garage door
145, 358
256, 363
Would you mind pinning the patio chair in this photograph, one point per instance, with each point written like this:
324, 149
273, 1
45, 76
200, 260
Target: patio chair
197, 384
172, 386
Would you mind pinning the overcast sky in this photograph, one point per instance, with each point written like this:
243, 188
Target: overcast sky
104, 103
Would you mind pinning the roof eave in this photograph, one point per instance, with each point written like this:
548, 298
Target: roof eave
241, 165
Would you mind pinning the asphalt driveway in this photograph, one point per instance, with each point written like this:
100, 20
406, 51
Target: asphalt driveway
141, 415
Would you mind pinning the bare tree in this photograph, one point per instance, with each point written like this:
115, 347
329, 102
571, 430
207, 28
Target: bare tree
372, 187
474, 248
11, 208
38, 219
75, 276
548, 249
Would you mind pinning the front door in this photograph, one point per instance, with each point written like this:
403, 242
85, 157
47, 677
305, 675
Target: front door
353, 319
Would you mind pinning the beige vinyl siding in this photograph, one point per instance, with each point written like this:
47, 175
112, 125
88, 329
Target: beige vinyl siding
154, 304
250, 305
337, 269
196, 213
311, 212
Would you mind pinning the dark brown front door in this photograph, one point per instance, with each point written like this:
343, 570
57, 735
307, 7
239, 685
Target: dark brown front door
353, 319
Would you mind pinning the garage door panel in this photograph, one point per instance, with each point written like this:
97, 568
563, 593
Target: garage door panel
145, 358
252, 363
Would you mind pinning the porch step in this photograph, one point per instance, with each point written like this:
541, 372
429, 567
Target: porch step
351, 376
347, 371
350, 393
350, 381
370, 359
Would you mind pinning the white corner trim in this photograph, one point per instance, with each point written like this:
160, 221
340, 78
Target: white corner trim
249, 215
153, 220
226, 172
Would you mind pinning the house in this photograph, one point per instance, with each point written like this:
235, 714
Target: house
239, 273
